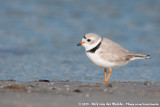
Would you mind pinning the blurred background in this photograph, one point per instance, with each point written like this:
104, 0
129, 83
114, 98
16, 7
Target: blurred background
38, 38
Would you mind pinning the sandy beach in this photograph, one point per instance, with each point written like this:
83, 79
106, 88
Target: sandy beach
73, 94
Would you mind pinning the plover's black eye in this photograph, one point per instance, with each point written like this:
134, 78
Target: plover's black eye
88, 40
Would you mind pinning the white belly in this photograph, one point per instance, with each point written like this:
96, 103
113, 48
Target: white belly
95, 58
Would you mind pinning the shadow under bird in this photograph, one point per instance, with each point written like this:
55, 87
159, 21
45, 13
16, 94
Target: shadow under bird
106, 53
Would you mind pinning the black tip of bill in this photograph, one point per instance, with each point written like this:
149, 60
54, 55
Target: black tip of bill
78, 44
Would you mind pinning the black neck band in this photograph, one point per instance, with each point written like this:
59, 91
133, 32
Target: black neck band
93, 50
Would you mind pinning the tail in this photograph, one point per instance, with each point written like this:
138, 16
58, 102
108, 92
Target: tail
139, 56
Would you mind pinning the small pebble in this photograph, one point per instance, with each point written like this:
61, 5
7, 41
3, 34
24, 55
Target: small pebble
44, 81
77, 90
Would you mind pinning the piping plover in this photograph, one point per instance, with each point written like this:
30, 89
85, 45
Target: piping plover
106, 53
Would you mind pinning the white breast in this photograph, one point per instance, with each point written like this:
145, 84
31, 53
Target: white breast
95, 58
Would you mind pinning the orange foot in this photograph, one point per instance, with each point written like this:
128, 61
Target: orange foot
110, 71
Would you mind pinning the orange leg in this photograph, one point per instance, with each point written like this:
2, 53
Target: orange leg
110, 71
105, 71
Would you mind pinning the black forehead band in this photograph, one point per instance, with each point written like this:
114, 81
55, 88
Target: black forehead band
84, 37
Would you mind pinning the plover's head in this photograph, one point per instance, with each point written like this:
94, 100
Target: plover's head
89, 41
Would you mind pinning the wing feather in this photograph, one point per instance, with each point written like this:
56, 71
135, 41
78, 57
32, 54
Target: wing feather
113, 52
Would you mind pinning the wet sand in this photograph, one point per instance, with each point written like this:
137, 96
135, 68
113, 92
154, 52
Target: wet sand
73, 94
